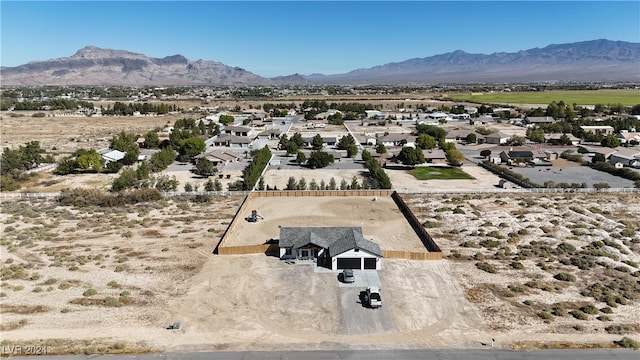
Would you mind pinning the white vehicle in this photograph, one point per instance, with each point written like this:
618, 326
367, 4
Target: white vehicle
373, 297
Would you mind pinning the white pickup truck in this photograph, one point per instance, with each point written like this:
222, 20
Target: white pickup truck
373, 297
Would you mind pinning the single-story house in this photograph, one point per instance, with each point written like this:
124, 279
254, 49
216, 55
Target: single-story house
335, 248
496, 138
515, 155
435, 156
533, 120
604, 130
233, 141
219, 157
236, 130
628, 137
326, 140
460, 135
624, 160
555, 138
397, 139
113, 156
270, 134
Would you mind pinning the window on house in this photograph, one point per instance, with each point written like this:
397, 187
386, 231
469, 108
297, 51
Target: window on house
288, 251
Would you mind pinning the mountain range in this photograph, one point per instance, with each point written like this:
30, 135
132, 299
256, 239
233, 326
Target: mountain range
596, 60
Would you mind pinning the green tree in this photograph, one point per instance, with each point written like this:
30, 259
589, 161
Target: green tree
126, 142
317, 142
151, 139
205, 167
516, 140
411, 156
226, 119
435, 131
90, 160
297, 138
191, 147
128, 179
166, 183
610, 141
302, 184
320, 159
366, 155
471, 138
455, 157
301, 158
208, 186
345, 141
598, 157
485, 153
284, 139
332, 184
535, 135
291, 148
425, 141
381, 149
352, 150
292, 184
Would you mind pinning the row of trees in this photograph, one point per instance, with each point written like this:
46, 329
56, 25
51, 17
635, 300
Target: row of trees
52, 104
379, 178
293, 184
120, 108
15, 163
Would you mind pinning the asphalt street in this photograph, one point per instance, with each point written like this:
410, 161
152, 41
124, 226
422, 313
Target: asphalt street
475, 354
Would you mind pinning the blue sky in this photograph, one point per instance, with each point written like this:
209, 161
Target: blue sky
282, 38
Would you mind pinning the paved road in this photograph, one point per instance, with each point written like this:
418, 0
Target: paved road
489, 354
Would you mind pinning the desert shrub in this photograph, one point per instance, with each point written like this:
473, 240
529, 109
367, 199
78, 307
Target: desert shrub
528, 302
565, 277
606, 310
545, 316
628, 343
516, 288
523, 232
558, 310
579, 315
89, 292
430, 224
489, 244
119, 268
469, 244
114, 284
620, 329
458, 210
589, 309
517, 265
485, 266
603, 318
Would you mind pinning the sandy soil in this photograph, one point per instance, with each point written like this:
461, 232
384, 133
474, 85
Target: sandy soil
381, 220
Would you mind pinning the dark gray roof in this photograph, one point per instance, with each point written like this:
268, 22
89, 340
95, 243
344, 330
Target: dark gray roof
336, 239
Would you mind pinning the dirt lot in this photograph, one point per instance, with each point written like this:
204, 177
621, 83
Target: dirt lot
381, 220
150, 265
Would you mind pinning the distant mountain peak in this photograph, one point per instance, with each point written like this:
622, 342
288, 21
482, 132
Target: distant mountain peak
594, 60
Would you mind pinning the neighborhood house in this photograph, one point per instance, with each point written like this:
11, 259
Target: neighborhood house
335, 248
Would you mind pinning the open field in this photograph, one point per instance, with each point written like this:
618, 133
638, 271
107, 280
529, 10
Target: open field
628, 98
150, 265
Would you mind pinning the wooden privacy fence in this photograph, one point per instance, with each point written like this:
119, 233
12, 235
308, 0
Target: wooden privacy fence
424, 236
249, 249
370, 192
411, 255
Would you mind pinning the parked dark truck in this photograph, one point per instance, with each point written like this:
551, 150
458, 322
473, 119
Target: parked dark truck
373, 297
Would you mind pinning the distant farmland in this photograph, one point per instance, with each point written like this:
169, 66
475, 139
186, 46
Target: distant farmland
605, 97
